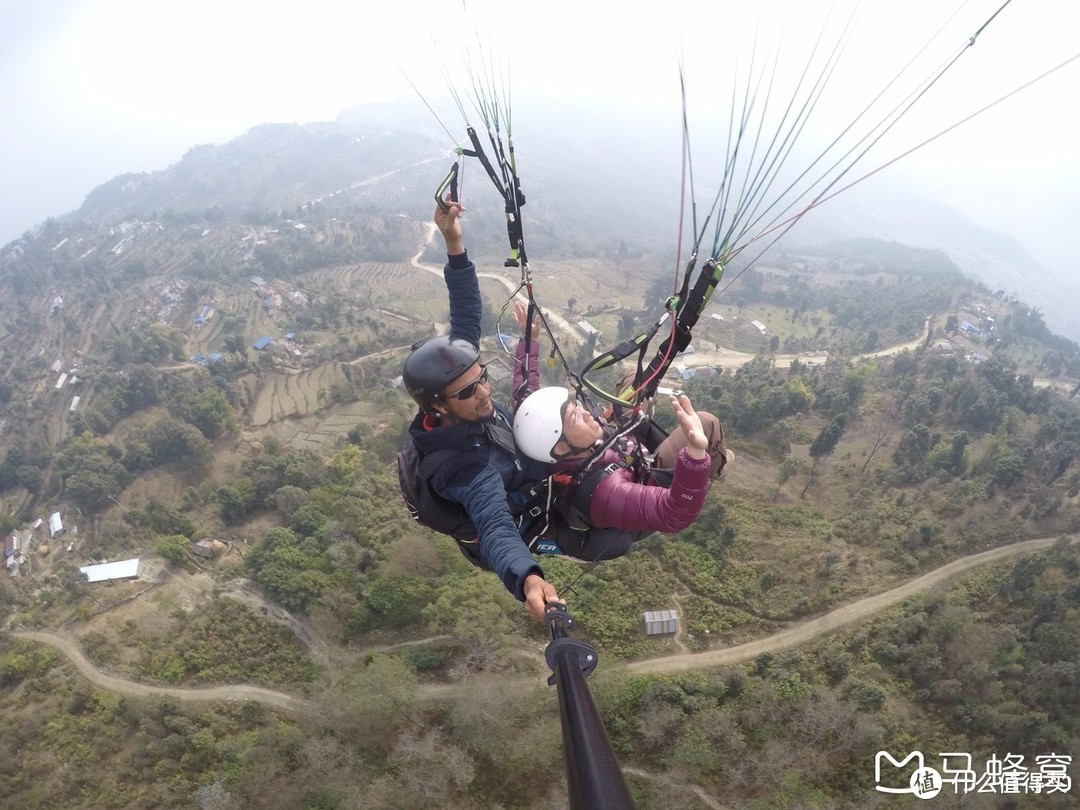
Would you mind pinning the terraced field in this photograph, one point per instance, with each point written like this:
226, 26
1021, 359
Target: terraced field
387, 296
203, 339
282, 396
260, 321
94, 321
397, 286
318, 429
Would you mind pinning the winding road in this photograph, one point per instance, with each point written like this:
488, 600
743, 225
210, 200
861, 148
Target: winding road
841, 617
794, 636
564, 325
102, 680
731, 359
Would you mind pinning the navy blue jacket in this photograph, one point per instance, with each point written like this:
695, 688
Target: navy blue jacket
483, 472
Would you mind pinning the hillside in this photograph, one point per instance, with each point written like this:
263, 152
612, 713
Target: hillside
890, 414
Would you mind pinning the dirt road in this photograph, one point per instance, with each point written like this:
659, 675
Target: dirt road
731, 359
786, 639
839, 618
910, 346
564, 326
71, 651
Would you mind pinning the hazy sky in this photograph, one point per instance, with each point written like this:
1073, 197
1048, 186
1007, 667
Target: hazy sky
94, 88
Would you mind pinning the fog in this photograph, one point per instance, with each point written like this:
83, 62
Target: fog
91, 89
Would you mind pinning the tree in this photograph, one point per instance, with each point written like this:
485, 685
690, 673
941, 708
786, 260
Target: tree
879, 442
825, 443
306, 520
236, 500
477, 616
295, 571
957, 455
396, 601
235, 344
800, 397
67, 578
828, 438
92, 471
208, 410
138, 388
379, 699
160, 519
912, 450
588, 349
657, 292
289, 498
92, 489
173, 548
172, 440
790, 467
1009, 469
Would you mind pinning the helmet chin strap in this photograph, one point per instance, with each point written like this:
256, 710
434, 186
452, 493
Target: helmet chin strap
572, 451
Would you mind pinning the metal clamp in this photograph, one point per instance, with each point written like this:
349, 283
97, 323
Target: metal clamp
559, 621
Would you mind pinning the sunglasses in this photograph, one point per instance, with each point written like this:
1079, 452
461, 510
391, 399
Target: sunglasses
469, 391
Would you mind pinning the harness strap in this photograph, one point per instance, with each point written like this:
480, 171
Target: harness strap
689, 311
509, 188
432, 461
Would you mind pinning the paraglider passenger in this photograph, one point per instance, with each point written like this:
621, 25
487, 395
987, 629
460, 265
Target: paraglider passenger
627, 502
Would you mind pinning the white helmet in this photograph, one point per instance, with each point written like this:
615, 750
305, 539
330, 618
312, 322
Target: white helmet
538, 423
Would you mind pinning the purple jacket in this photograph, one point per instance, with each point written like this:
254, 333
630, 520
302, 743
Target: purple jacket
519, 372
619, 502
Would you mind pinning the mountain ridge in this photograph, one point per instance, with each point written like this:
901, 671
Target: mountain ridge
588, 187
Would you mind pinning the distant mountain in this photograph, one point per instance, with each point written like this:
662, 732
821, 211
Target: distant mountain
895, 212
276, 167
599, 181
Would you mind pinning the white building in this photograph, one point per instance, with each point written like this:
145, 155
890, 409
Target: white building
660, 622
56, 526
587, 327
124, 569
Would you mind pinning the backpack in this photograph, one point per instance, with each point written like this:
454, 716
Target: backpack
427, 507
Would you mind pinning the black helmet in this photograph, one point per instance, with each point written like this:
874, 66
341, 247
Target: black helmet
433, 364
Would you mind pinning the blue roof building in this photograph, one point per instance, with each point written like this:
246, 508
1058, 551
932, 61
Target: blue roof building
262, 343
973, 330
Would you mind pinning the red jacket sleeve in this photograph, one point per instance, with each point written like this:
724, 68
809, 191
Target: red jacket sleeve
620, 503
